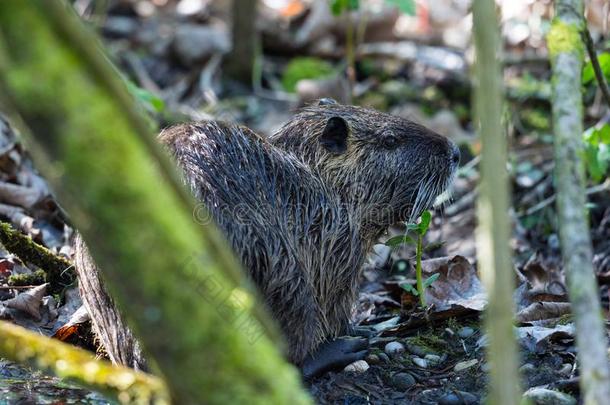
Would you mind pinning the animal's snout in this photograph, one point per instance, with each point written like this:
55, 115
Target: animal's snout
454, 154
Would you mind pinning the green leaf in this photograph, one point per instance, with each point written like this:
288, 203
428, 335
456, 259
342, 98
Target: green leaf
590, 136
405, 6
424, 222
400, 240
150, 101
412, 227
337, 6
588, 74
594, 167
409, 288
604, 134
597, 151
305, 68
428, 282
340, 6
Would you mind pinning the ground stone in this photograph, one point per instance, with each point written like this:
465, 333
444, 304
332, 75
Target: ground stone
393, 349
463, 365
359, 366
465, 332
458, 398
195, 43
419, 362
403, 381
543, 396
373, 359
416, 350
433, 359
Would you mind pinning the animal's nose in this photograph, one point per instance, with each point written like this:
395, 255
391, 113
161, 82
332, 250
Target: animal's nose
455, 154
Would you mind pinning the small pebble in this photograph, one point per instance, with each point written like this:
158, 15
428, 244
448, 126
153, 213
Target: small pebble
393, 349
403, 381
543, 396
419, 362
566, 369
384, 358
463, 365
527, 368
359, 366
373, 359
416, 350
465, 332
433, 359
458, 398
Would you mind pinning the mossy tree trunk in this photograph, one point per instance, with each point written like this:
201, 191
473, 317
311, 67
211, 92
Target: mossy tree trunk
567, 54
175, 280
494, 227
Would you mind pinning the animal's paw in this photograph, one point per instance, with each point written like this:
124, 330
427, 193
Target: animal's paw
335, 354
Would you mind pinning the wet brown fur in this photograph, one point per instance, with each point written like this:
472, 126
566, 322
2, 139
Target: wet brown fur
302, 217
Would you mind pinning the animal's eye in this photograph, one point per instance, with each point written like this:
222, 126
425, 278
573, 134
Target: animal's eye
390, 142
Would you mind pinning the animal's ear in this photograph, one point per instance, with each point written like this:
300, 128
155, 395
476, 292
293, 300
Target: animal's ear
327, 101
334, 136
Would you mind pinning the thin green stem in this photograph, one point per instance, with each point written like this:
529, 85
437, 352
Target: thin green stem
350, 51
418, 275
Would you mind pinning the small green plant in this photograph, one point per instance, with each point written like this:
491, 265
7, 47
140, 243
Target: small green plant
597, 151
420, 230
151, 102
305, 68
340, 6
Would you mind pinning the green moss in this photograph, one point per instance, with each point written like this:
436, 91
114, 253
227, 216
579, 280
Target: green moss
536, 119
66, 361
57, 267
564, 38
36, 278
429, 342
305, 68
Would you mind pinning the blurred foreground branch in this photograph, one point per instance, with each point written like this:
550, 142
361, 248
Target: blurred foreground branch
66, 361
494, 228
567, 55
175, 280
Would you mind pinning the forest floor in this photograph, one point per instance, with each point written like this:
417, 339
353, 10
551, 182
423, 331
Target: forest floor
417, 356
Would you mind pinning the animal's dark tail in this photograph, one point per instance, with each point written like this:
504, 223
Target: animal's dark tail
108, 324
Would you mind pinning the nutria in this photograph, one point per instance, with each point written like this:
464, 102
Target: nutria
302, 209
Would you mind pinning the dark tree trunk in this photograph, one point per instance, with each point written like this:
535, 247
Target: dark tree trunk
240, 62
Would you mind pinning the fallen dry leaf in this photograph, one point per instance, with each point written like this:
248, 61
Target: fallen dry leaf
540, 282
72, 327
457, 285
536, 338
543, 310
29, 301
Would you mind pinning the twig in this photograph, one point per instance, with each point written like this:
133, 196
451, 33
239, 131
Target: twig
17, 287
550, 200
141, 74
599, 74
